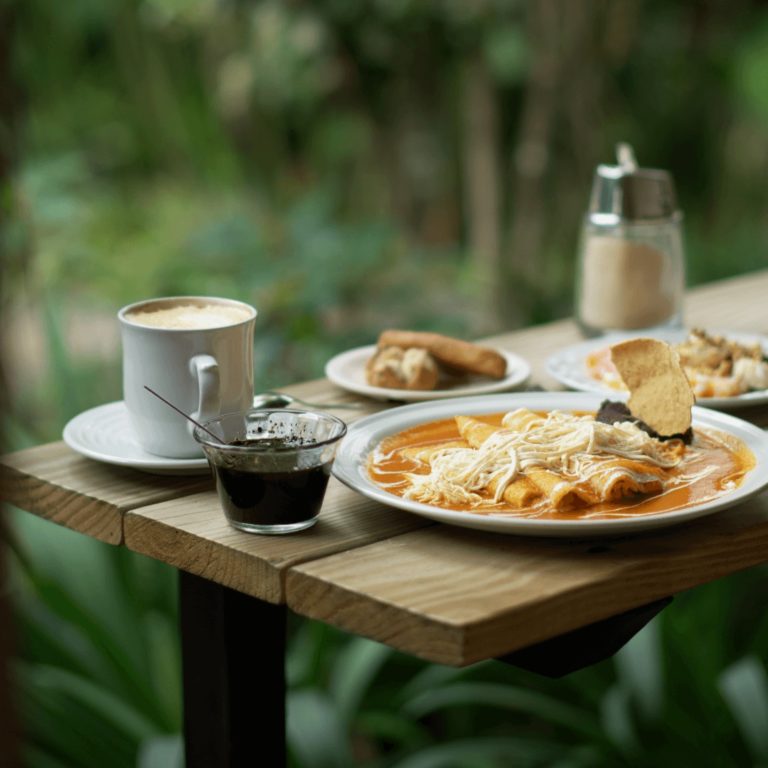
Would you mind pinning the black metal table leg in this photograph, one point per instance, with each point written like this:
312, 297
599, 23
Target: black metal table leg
584, 647
233, 657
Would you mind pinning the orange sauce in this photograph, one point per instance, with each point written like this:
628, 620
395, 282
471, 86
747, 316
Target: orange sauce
725, 457
600, 367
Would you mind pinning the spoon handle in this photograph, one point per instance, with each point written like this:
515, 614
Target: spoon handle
187, 417
288, 399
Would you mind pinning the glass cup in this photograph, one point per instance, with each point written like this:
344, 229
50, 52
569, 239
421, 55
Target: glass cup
271, 466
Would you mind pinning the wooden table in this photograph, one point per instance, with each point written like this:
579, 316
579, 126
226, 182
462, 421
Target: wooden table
445, 594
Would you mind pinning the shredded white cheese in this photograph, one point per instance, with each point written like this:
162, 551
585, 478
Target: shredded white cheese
572, 446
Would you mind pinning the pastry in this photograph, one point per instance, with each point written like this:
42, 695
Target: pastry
454, 353
398, 368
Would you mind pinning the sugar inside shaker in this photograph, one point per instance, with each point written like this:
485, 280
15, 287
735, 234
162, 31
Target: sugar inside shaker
631, 271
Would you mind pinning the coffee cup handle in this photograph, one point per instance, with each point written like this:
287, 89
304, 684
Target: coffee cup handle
206, 370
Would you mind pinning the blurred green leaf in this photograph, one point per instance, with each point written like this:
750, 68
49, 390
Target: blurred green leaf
751, 65
316, 733
506, 51
70, 403
58, 683
311, 651
640, 671
392, 728
161, 752
77, 720
165, 670
617, 720
465, 753
744, 686
434, 676
355, 668
75, 578
507, 697
34, 757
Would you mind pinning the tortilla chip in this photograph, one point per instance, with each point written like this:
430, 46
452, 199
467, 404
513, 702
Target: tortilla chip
660, 394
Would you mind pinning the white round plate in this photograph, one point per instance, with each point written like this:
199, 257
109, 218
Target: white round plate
569, 366
104, 433
363, 436
347, 370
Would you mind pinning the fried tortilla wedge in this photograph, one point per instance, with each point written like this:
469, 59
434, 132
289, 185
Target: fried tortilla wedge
660, 394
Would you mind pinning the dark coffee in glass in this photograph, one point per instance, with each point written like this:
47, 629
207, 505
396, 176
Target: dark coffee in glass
272, 467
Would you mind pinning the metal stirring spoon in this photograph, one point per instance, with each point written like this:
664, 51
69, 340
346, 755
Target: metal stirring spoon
270, 399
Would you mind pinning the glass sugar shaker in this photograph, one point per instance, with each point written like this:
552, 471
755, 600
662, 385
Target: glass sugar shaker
631, 271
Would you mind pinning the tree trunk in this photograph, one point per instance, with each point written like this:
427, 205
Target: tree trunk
562, 107
482, 187
531, 155
9, 736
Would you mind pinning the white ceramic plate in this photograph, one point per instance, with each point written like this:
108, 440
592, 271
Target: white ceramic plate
364, 435
347, 370
569, 367
105, 434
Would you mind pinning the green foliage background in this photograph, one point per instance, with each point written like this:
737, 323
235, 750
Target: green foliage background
313, 159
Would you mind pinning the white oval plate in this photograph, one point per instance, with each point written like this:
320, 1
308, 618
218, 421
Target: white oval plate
347, 370
363, 436
104, 434
569, 367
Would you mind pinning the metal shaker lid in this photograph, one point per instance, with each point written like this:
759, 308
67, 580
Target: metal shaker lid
625, 192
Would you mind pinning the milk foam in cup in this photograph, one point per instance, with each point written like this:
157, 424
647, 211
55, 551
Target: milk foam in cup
189, 317
196, 352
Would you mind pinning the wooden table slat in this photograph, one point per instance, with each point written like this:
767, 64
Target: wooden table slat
192, 533
56, 483
457, 596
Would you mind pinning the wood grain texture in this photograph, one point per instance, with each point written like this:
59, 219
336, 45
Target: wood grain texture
192, 534
446, 594
536, 345
736, 304
457, 596
54, 482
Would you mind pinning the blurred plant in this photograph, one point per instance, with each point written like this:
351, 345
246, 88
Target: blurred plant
321, 283
99, 682
335, 163
266, 104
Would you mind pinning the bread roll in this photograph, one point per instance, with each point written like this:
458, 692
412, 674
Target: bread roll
397, 368
455, 353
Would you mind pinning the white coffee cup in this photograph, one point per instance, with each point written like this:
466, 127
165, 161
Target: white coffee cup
195, 351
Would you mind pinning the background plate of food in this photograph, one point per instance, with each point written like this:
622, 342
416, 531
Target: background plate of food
418, 457
413, 366
726, 369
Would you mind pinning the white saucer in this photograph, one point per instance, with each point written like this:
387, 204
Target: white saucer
104, 433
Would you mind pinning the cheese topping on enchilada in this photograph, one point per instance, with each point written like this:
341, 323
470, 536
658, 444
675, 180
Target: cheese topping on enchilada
554, 464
